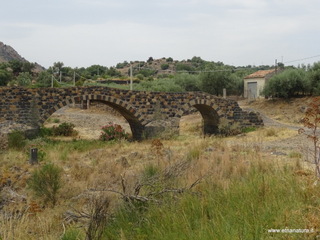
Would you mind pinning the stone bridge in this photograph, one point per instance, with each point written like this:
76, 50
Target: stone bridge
146, 112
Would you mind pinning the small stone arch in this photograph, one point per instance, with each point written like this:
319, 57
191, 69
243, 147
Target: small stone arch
134, 119
210, 112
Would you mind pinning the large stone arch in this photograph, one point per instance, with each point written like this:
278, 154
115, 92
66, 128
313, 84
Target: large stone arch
134, 119
210, 112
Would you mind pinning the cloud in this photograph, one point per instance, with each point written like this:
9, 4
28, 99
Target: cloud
86, 32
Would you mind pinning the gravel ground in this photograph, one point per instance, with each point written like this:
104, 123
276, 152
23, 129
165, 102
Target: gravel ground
88, 122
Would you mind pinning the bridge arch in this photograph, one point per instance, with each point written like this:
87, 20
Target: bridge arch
210, 113
134, 119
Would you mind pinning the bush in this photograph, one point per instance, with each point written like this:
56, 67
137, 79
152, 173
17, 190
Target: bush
113, 131
64, 129
287, 84
46, 182
16, 140
228, 129
45, 132
165, 66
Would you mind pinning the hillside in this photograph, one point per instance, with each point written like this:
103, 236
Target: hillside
7, 53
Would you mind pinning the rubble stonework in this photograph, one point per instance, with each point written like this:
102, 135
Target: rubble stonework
32, 107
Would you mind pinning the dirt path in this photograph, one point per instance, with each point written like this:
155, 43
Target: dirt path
294, 142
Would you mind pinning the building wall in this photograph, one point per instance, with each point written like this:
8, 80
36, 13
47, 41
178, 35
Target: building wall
260, 85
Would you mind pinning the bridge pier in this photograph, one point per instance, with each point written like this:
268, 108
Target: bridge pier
85, 104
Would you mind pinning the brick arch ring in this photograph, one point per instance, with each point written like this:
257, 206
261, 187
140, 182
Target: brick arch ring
191, 104
109, 99
211, 114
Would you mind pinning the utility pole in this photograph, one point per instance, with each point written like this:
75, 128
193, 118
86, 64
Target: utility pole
52, 80
74, 78
60, 76
131, 80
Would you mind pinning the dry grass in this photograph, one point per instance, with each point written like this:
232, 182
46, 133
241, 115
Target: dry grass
287, 111
105, 166
213, 159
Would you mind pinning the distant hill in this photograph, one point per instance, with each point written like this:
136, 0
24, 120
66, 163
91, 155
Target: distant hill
7, 53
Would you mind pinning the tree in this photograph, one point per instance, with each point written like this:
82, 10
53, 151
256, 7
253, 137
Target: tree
24, 79
44, 79
214, 82
113, 72
180, 67
57, 66
96, 70
314, 78
188, 82
169, 59
289, 83
164, 66
16, 66
28, 67
234, 85
5, 77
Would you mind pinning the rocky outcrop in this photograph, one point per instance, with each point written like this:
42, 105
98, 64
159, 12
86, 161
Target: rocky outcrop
7, 53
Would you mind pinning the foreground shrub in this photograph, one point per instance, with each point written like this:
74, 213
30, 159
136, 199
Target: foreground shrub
113, 131
16, 140
46, 182
64, 129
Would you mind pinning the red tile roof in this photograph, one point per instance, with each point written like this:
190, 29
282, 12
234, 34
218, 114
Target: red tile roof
260, 74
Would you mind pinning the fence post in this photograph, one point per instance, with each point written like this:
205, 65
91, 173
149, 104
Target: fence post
33, 156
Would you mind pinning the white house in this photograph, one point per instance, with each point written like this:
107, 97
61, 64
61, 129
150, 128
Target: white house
254, 83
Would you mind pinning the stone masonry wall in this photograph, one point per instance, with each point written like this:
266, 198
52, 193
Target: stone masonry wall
31, 107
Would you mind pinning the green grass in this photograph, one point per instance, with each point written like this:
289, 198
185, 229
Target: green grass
243, 207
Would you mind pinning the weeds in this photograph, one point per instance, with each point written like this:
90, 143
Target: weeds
262, 199
46, 182
64, 129
16, 140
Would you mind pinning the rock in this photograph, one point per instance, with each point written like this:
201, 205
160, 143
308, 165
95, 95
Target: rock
278, 153
210, 149
133, 155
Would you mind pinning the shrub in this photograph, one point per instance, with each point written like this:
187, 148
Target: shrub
228, 129
248, 129
113, 131
64, 129
164, 66
16, 140
45, 132
46, 182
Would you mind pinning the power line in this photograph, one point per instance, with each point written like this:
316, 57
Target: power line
302, 59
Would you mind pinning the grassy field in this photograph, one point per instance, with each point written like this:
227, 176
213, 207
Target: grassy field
187, 187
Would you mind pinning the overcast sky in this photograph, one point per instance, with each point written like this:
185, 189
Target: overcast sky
81, 33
